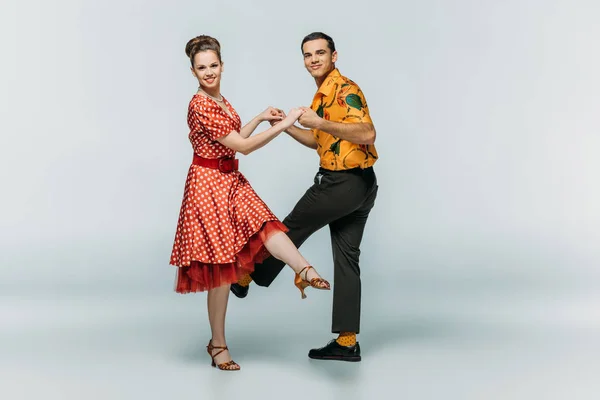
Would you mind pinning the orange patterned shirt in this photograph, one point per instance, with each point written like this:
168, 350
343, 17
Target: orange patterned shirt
340, 100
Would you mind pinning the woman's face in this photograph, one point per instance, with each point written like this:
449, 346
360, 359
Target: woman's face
207, 69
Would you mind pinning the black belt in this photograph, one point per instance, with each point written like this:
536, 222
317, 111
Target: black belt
355, 171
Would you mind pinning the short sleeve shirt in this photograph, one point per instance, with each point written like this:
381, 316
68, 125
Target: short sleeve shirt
339, 99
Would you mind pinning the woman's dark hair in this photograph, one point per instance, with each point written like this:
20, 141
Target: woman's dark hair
202, 43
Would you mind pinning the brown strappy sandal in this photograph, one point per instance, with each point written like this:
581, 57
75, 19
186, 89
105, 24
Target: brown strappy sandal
226, 366
317, 283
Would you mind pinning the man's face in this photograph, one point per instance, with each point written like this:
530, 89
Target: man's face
318, 59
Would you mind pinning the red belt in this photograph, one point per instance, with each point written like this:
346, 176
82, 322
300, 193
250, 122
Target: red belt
225, 164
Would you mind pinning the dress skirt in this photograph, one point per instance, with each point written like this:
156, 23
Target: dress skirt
222, 227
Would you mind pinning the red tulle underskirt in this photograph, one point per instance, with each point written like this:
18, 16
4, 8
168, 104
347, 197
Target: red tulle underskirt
200, 277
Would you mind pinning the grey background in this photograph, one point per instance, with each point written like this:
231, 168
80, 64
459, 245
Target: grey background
480, 260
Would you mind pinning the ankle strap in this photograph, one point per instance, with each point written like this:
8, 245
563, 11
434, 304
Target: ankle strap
305, 268
218, 352
212, 347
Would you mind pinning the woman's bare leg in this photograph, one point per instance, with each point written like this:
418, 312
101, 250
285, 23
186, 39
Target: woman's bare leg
282, 248
217, 299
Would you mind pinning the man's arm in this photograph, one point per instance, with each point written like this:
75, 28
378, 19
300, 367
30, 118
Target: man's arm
302, 136
357, 132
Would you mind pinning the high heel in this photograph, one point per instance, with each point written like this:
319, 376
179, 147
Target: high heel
317, 283
226, 366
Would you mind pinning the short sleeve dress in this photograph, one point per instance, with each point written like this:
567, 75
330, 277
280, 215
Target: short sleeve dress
223, 223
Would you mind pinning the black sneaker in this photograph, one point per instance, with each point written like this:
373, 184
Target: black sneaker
239, 290
335, 351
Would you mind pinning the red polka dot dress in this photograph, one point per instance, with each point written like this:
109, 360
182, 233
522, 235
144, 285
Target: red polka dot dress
223, 224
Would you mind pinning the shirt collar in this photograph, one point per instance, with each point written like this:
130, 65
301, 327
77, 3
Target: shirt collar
327, 84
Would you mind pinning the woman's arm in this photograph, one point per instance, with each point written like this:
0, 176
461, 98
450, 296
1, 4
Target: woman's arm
247, 145
270, 114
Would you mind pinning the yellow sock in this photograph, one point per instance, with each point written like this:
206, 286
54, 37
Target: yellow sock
245, 280
346, 339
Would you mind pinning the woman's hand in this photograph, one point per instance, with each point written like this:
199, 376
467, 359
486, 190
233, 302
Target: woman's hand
276, 121
292, 117
271, 114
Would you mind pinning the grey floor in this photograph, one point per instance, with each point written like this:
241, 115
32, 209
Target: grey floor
426, 336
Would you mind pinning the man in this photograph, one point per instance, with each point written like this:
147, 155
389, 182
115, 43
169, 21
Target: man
343, 194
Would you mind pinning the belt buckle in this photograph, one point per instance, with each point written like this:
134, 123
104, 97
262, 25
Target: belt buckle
222, 168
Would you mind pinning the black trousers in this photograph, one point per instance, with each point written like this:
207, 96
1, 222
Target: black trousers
342, 200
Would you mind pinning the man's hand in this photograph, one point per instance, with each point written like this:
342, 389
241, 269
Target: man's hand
310, 119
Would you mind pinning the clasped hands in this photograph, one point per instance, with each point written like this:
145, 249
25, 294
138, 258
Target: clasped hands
304, 115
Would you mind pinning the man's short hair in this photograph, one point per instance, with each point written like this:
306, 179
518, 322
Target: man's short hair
318, 35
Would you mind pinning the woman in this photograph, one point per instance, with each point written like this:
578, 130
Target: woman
224, 228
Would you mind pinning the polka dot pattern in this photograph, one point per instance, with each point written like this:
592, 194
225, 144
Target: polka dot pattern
220, 212
208, 122
346, 339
